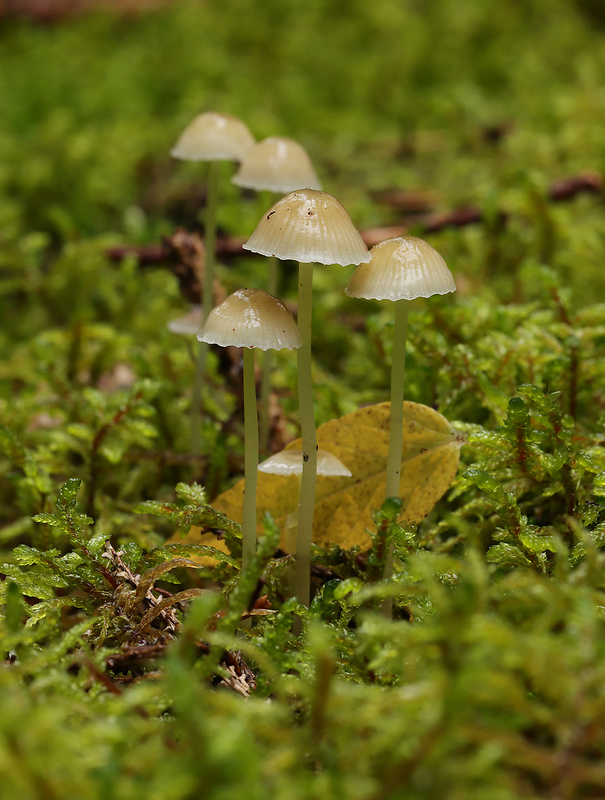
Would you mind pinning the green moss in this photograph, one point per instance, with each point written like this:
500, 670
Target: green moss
487, 682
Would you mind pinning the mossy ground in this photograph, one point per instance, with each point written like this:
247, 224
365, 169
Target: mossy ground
489, 680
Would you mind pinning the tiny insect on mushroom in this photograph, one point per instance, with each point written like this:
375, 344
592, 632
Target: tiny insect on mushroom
310, 227
290, 462
401, 269
250, 318
277, 165
212, 137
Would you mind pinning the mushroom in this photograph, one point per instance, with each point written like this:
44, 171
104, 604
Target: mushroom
189, 324
401, 269
277, 165
212, 137
250, 318
307, 226
290, 462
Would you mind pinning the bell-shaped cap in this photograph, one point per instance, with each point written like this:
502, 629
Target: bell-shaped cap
401, 268
251, 318
309, 226
189, 324
290, 462
213, 136
277, 164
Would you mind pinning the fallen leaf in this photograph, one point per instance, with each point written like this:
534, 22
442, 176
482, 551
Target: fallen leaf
343, 506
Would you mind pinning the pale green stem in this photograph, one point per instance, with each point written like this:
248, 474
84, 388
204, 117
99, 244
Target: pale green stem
250, 459
396, 430
196, 399
265, 385
207, 303
302, 576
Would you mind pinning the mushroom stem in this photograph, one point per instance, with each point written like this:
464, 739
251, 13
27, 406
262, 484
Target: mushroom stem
267, 368
196, 399
396, 430
207, 302
250, 459
302, 576
210, 234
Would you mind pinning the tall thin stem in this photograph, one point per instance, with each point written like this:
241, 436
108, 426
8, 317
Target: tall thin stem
396, 430
265, 384
196, 399
250, 459
302, 575
207, 302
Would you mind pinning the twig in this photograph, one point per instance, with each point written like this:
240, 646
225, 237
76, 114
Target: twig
231, 247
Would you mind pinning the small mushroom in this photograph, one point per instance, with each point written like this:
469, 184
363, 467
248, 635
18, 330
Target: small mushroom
278, 165
307, 226
250, 318
189, 324
212, 137
290, 462
401, 269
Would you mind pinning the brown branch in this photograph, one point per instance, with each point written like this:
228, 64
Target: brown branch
152, 255
568, 188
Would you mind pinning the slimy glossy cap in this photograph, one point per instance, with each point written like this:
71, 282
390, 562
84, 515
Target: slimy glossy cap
251, 318
401, 268
277, 164
214, 137
290, 462
310, 226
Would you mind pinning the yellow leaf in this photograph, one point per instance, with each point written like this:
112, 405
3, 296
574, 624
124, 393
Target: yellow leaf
343, 506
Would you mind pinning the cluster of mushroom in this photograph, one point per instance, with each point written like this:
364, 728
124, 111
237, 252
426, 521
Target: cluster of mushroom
311, 227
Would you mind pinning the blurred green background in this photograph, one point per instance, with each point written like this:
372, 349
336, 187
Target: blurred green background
381, 93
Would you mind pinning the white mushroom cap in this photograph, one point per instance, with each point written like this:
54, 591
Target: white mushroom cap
309, 226
251, 318
214, 137
189, 324
277, 164
290, 462
401, 268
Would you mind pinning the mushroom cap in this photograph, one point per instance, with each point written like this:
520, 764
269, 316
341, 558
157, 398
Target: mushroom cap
310, 226
401, 268
251, 318
213, 136
277, 164
189, 324
290, 462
